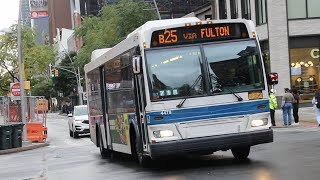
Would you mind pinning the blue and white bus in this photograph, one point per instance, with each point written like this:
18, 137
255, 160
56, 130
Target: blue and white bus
180, 86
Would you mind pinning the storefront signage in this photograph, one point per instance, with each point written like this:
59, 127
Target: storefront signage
315, 53
198, 34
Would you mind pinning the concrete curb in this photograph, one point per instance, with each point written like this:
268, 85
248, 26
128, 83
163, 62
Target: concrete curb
25, 148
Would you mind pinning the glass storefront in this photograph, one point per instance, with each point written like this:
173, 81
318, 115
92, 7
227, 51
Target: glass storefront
305, 71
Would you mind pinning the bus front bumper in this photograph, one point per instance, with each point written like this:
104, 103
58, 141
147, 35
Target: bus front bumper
210, 144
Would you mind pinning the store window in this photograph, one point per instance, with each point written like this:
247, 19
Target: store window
261, 12
305, 73
245, 9
222, 9
313, 8
266, 55
234, 9
303, 9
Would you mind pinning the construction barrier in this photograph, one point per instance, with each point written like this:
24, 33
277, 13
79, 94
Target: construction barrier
36, 132
36, 115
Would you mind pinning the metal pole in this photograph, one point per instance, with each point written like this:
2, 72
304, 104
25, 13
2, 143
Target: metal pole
20, 60
155, 4
79, 87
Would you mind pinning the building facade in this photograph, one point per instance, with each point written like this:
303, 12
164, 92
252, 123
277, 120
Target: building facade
91, 7
25, 13
289, 34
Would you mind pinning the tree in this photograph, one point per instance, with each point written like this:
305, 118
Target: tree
36, 57
44, 87
66, 81
114, 24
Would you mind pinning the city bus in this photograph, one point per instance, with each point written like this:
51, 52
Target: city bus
180, 87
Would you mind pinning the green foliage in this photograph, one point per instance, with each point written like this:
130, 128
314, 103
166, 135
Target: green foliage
114, 24
66, 81
43, 87
36, 57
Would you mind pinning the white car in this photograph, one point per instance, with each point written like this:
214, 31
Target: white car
78, 121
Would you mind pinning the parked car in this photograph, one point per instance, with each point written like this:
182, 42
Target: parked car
78, 121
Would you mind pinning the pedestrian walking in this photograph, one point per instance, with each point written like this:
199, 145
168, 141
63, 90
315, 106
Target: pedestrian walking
316, 105
295, 106
272, 105
286, 106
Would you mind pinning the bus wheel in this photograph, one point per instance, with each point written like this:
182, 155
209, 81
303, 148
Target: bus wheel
241, 153
105, 153
144, 161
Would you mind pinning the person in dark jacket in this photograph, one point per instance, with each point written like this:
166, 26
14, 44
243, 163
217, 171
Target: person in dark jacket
295, 106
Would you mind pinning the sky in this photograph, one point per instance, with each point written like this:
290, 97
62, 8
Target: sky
8, 13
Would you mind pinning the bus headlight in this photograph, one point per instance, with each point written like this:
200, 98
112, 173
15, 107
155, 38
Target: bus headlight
259, 122
162, 133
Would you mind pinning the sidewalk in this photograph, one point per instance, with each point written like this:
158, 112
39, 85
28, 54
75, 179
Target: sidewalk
307, 117
25, 147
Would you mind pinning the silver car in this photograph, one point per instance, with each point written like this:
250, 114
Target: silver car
78, 121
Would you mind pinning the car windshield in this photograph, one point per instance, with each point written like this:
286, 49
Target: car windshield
234, 67
80, 111
173, 72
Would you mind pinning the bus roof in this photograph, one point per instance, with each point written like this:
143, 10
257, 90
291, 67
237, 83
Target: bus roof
163, 23
98, 52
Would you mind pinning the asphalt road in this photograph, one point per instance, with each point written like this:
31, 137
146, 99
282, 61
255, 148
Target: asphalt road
295, 155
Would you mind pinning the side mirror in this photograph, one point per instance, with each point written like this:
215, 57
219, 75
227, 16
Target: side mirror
70, 115
136, 64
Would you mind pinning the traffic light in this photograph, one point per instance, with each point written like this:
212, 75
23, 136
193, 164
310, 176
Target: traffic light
52, 72
56, 72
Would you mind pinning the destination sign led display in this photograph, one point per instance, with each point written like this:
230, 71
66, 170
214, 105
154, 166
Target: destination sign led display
198, 34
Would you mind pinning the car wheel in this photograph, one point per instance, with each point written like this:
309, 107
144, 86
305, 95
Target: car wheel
71, 133
241, 153
75, 134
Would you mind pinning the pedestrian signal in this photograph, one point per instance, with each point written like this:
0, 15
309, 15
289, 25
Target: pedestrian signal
273, 78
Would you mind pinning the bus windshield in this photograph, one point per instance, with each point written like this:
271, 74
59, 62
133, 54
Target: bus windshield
231, 67
234, 67
172, 72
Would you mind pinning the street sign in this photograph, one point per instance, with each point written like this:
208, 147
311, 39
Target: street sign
85, 96
15, 91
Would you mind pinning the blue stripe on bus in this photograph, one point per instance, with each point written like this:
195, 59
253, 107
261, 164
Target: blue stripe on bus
210, 112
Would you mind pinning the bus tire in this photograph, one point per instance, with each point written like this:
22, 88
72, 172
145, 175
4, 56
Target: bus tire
143, 160
241, 153
105, 153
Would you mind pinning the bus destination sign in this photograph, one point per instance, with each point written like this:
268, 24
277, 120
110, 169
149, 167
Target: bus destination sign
198, 34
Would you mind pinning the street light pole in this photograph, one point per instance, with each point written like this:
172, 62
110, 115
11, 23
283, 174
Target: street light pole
155, 4
78, 78
21, 80
79, 87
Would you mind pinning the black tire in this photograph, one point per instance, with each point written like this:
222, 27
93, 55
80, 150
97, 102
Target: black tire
241, 153
75, 134
143, 160
71, 133
105, 153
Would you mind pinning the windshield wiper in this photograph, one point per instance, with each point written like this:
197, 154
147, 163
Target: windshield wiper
188, 93
224, 86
